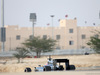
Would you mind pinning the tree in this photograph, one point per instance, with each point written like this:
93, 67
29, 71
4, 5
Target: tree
94, 42
39, 45
21, 52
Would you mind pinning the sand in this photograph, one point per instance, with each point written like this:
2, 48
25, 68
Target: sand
78, 60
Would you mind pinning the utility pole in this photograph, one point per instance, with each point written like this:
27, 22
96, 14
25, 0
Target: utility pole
99, 14
2, 27
52, 27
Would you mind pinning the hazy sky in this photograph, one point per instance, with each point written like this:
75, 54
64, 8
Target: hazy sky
17, 11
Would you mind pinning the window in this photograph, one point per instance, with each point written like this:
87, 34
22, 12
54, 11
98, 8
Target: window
44, 36
30, 37
83, 36
70, 30
83, 47
18, 37
71, 42
57, 47
57, 37
96, 36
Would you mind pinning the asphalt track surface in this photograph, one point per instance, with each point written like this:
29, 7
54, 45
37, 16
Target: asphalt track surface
75, 72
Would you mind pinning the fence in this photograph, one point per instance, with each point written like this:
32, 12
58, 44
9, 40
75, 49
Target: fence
54, 52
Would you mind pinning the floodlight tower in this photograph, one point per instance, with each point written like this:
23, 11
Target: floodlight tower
33, 20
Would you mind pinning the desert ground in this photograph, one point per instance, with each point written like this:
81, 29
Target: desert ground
10, 65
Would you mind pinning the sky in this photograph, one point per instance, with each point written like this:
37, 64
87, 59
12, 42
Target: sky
17, 12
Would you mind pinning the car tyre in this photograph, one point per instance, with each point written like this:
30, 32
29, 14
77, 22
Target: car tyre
47, 68
28, 69
61, 67
72, 67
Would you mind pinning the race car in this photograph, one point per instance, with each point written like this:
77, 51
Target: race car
53, 66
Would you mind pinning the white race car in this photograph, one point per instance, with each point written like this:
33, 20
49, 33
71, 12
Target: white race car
52, 66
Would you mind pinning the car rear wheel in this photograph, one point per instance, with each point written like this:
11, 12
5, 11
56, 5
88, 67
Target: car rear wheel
47, 68
61, 67
72, 67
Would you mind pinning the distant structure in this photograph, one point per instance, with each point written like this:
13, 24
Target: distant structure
33, 20
68, 35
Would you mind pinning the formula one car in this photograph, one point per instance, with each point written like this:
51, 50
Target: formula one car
52, 65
